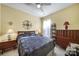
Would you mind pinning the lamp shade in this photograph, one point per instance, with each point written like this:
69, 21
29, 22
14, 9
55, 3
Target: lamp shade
66, 23
10, 31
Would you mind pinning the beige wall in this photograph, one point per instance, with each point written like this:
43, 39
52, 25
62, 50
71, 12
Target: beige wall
7, 14
17, 17
0, 19
70, 14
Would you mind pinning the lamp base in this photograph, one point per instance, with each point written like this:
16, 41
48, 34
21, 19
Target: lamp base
66, 27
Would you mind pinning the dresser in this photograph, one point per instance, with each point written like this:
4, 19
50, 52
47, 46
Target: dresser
7, 45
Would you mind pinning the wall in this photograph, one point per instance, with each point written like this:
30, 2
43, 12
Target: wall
70, 14
0, 19
17, 17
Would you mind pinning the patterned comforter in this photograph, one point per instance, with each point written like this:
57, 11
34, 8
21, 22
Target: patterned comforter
30, 43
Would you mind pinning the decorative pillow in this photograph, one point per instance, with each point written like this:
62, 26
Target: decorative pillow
72, 49
74, 45
33, 33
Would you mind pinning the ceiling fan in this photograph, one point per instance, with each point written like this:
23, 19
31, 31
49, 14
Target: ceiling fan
39, 5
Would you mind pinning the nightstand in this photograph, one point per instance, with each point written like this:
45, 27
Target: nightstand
8, 45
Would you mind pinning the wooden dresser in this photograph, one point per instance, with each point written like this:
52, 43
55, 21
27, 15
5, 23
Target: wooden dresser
64, 37
8, 45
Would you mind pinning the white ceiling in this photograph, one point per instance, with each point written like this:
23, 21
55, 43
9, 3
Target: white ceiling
33, 10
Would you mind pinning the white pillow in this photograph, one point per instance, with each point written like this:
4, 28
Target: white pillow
74, 45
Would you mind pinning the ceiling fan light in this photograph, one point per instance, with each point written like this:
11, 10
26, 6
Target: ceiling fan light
38, 5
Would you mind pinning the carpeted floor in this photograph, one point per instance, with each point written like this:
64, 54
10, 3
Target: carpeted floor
56, 52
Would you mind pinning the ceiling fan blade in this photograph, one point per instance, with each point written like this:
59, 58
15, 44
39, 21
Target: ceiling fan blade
45, 4
42, 4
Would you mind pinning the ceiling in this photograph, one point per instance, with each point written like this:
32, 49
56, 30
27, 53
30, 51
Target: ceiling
45, 9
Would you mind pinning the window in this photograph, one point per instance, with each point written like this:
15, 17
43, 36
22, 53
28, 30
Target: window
46, 28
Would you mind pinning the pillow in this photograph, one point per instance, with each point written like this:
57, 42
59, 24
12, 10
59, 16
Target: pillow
33, 33
74, 45
72, 48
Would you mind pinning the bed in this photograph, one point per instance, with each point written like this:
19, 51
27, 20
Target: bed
34, 45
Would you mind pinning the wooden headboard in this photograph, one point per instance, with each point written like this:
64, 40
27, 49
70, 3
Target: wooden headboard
27, 32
